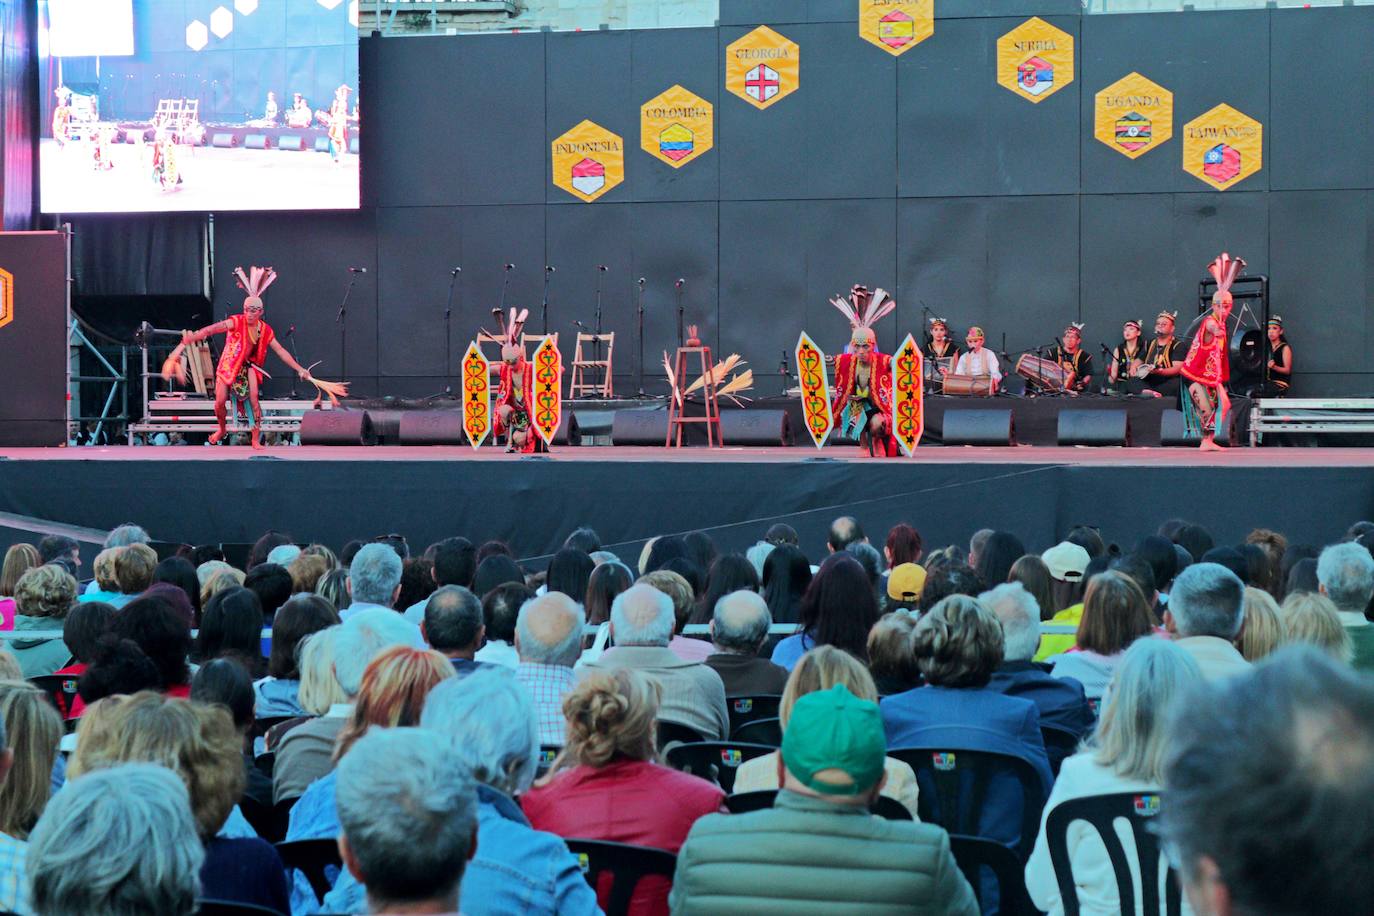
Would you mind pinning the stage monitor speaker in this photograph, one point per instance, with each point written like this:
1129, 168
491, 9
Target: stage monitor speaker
755, 427
321, 144
353, 145
432, 427
1173, 430
293, 142
978, 427
1094, 427
569, 430
639, 427
337, 427
256, 141
224, 141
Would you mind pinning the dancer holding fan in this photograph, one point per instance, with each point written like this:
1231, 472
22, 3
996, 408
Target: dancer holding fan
1207, 366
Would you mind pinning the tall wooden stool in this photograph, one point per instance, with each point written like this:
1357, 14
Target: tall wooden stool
578, 386
676, 412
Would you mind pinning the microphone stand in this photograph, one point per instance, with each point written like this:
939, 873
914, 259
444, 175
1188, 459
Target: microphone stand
448, 333
596, 338
342, 322
681, 311
544, 306
640, 312
505, 282
291, 339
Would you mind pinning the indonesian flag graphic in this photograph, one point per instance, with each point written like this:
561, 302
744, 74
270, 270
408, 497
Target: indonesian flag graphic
589, 176
762, 83
896, 29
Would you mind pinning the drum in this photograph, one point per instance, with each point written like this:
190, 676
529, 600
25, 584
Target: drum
968, 385
1044, 373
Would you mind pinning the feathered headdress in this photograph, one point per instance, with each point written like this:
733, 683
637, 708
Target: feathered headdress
1076, 326
1224, 270
1172, 316
864, 309
510, 331
255, 282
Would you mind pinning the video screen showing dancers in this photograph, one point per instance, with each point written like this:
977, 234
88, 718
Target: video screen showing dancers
200, 105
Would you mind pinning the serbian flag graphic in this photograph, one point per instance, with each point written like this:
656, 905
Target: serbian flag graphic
589, 176
1035, 76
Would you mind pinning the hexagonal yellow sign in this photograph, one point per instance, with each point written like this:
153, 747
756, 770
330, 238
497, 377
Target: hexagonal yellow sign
1223, 147
676, 126
1035, 60
6, 297
763, 67
1133, 115
896, 26
588, 161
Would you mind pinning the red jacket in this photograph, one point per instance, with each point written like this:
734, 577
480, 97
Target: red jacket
626, 801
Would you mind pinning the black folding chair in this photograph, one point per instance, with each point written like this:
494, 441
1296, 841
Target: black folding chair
715, 761
744, 802
955, 785
747, 709
973, 854
626, 864
60, 688
1060, 743
760, 731
1102, 812
547, 753
269, 821
265, 763
260, 726
233, 908
313, 858
668, 732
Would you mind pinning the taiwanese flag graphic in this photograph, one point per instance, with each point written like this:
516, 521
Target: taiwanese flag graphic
896, 29
676, 142
588, 176
1133, 132
1035, 75
1221, 163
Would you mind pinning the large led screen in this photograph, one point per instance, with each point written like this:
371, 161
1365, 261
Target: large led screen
213, 105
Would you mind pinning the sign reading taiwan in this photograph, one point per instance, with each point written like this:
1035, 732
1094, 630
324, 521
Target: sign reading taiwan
588, 161
762, 67
1133, 115
1223, 147
896, 26
1035, 59
676, 126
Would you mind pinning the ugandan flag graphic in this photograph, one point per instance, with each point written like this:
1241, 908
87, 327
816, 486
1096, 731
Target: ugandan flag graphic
676, 142
1133, 132
896, 29
588, 176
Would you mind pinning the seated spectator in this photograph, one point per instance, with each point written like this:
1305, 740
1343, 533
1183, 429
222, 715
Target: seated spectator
202, 746
105, 587
1311, 618
975, 545
871, 561
9, 666
831, 767
395, 786
225, 682
219, 580
490, 720
495, 569
838, 609
1068, 566
606, 582
693, 694
118, 666
757, 555
731, 572
1231, 558
569, 571
281, 555
454, 562
548, 636
86, 622
320, 550
33, 729
1115, 614
681, 593
1034, 576
163, 633
500, 608
691, 573
320, 693
417, 582
1269, 789
786, 576
61, 550
306, 571
1159, 553
119, 842
333, 587
278, 694
819, 670
1124, 754
1204, 615
272, 584
1301, 578
453, 627
231, 627
19, 559
903, 545
178, 571
1345, 574
889, 654
610, 754
945, 579
14, 891
739, 627
905, 582
998, 554
374, 580
780, 534
263, 547
1060, 701
958, 645
133, 569
42, 598
584, 539
1262, 630
126, 534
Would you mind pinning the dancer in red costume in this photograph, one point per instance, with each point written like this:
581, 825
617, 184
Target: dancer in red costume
863, 377
515, 393
1207, 367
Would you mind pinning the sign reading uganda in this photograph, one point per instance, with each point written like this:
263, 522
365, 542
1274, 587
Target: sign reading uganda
1133, 115
763, 67
588, 161
896, 26
676, 127
1035, 60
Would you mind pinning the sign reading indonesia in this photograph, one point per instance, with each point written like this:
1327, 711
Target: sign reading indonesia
1035, 60
896, 26
588, 161
763, 67
1223, 147
1133, 115
676, 126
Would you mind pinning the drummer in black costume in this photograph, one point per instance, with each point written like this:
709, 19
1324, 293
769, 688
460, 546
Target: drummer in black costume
1165, 357
940, 351
1280, 360
1128, 367
1075, 360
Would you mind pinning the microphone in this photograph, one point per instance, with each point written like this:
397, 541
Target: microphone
291, 330
601, 267
510, 267
357, 270
548, 269
680, 283
455, 272
1059, 343
642, 281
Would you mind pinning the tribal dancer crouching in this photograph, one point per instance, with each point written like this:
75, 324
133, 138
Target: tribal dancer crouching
515, 394
1207, 368
863, 377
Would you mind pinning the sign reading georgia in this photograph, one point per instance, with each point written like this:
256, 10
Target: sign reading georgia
763, 67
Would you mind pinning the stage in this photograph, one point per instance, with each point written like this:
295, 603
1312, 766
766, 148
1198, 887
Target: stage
198, 494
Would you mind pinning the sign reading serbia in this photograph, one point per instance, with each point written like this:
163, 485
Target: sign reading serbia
676, 126
1223, 147
763, 67
588, 161
896, 26
1133, 115
1035, 60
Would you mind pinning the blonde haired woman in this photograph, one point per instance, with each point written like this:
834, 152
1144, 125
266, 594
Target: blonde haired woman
1125, 754
32, 731
1263, 630
19, 559
43, 597
820, 669
610, 754
1311, 617
105, 587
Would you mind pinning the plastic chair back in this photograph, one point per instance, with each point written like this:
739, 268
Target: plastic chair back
1059, 744
759, 731
1102, 812
547, 754
715, 761
60, 688
959, 787
626, 864
232, 908
747, 709
975, 854
313, 858
744, 802
668, 732
269, 821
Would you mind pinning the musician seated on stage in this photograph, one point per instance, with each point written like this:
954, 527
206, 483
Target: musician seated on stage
940, 351
978, 362
1076, 361
1127, 370
1164, 356
1280, 360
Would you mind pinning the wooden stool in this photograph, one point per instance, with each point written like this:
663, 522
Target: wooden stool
578, 386
676, 412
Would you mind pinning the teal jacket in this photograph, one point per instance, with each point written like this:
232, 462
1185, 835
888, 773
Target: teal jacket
39, 656
807, 856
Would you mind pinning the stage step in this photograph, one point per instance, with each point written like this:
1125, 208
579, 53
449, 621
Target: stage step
1311, 415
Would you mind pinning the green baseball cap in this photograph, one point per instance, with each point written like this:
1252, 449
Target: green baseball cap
833, 730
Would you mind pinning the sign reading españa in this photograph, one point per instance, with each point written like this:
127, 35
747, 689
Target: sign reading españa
762, 67
1223, 147
676, 127
588, 161
896, 26
6, 297
1035, 60
1133, 115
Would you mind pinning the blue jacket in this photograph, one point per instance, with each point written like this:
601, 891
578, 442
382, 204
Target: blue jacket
1060, 700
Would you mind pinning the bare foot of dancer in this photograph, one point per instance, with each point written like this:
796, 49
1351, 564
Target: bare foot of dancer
1209, 445
216, 436
255, 440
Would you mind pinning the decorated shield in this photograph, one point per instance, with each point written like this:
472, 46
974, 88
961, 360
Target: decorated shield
476, 395
815, 390
908, 408
548, 400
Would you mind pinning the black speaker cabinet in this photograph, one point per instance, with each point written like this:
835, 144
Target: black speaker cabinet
337, 427
1094, 427
978, 427
321, 144
291, 142
569, 431
431, 427
224, 141
639, 427
256, 141
755, 427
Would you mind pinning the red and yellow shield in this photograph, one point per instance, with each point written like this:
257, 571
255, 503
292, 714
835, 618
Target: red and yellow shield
908, 408
548, 401
815, 390
476, 395
6, 297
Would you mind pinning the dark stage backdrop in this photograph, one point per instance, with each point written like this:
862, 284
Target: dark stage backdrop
919, 174
33, 337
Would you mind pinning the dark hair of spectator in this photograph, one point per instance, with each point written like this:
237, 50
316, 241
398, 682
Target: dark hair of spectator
731, 572
86, 622
1158, 551
417, 582
701, 550
668, 547
117, 666
1034, 576
1232, 559
350, 550
232, 625
273, 586
607, 581
839, 607
1302, 578
903, 545
1114, 614
1259, 572
998, 554
455, 562
495, 570
56, 547
781, 534
224, 682
265, 545
786, 576
1139, 571
297, 619
687, 568
944, 581
204, 553
1195, 539
494, 549
180, 572
1090, 539
585, 540
500, 608
569, 571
